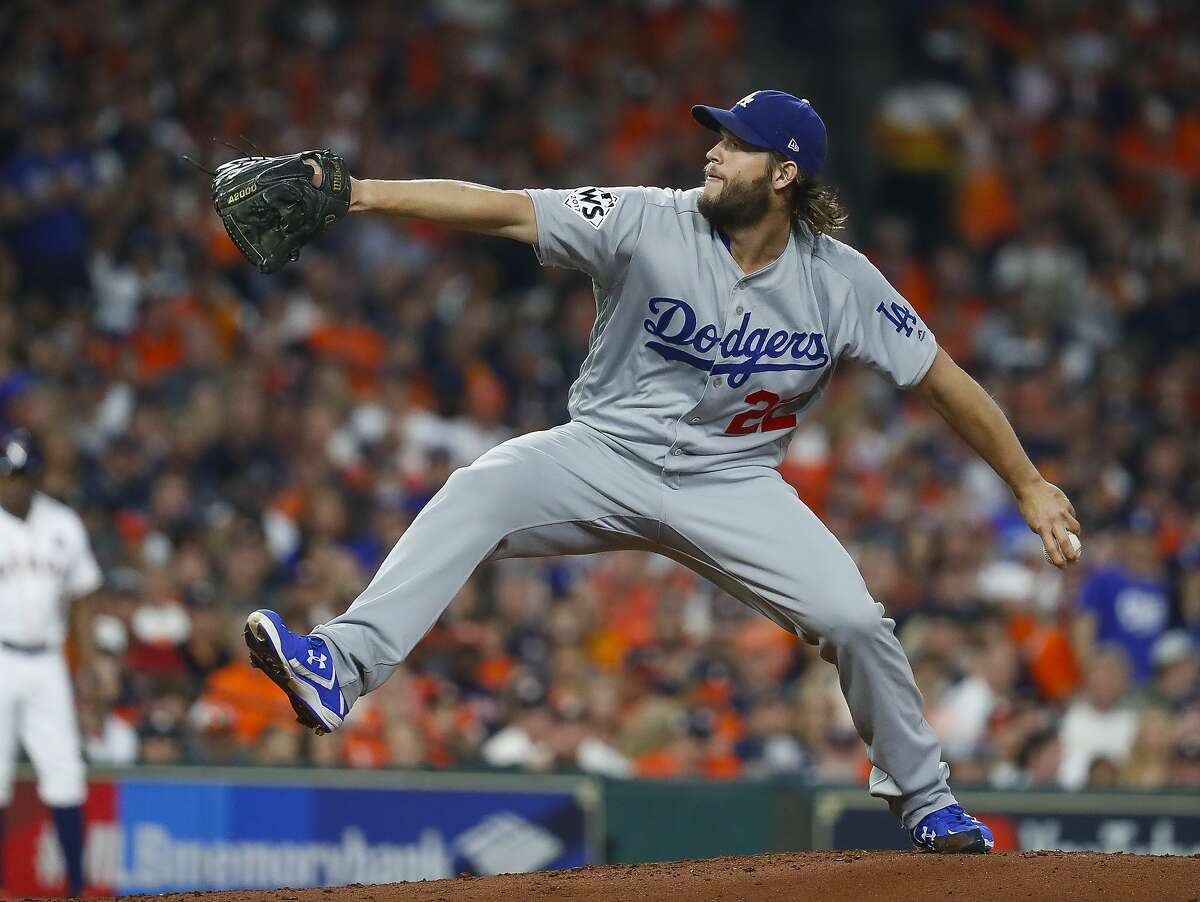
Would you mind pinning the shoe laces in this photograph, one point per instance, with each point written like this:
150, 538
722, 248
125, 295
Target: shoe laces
955, 816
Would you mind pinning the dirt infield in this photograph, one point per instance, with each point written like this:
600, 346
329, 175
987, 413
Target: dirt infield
820, 876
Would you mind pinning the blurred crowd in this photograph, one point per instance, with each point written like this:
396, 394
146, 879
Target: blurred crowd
235, 441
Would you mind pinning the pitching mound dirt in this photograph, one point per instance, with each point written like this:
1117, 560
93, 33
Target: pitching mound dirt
823, 876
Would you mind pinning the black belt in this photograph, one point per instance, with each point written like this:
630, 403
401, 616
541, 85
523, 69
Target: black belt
34, 649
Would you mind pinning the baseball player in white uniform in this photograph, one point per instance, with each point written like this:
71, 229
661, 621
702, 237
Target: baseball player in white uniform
46, 562
721, 312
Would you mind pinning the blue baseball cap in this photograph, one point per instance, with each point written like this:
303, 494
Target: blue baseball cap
774, 120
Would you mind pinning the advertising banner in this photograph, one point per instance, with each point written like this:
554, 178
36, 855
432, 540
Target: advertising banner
33, 862
1028, 822
173, 835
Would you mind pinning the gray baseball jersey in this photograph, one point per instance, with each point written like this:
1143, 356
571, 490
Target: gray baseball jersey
694, 364
696, 376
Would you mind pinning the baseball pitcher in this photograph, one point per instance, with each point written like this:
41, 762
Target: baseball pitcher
721, 313
46, 562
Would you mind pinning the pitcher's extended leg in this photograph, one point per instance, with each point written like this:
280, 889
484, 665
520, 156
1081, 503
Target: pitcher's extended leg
785, 563
561, 491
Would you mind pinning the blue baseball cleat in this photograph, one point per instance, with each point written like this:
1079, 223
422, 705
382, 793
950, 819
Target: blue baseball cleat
299, 665
951, 829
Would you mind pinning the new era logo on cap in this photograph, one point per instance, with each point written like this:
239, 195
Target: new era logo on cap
793, 146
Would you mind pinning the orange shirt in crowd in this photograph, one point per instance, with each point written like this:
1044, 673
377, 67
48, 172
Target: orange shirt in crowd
363, 742
1049, 657
159, 352
360, 347
986, 210
253, 701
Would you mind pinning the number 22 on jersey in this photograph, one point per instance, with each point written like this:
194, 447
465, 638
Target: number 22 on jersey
764, 415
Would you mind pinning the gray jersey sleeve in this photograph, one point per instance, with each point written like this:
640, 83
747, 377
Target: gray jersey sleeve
881, 329
590, 229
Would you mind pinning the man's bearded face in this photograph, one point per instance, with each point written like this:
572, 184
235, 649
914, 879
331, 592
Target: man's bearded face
739, 203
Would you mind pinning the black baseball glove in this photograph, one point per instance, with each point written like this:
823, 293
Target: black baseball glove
271, 208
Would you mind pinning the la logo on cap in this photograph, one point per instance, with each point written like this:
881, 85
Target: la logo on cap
745, 101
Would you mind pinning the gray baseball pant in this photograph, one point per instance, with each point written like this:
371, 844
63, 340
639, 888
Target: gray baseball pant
573, 490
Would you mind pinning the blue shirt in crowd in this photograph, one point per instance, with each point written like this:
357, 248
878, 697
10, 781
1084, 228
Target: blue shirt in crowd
1131, 611
57, 231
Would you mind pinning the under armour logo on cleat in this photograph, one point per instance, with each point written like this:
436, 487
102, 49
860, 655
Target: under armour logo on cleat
318, 660
927, 834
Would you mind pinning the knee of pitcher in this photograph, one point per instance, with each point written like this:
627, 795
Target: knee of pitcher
481, 494
858, 624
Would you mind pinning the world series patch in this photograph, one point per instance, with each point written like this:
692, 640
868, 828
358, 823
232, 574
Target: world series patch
593, 204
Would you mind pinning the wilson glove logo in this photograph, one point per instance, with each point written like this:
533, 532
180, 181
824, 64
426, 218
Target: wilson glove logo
240, 194
741, 352
593, 204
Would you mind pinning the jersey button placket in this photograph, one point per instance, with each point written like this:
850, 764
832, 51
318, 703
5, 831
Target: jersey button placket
670, 473
738, 311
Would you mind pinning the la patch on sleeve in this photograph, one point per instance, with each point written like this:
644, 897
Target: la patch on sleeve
593, 204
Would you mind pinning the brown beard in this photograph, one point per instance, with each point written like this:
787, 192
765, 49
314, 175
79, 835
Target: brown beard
738, 205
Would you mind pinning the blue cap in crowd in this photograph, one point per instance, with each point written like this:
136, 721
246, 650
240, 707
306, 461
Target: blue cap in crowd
776, 121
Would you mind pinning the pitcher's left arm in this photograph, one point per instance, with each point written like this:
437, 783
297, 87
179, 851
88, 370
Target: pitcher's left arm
962, 402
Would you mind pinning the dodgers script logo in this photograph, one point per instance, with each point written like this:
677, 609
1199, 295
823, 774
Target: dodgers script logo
742, 351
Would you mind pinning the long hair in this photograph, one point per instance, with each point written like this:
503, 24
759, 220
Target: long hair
813, 203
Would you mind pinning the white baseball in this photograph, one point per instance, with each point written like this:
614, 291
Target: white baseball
1076, 546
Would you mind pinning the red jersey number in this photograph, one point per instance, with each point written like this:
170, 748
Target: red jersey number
763, 416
